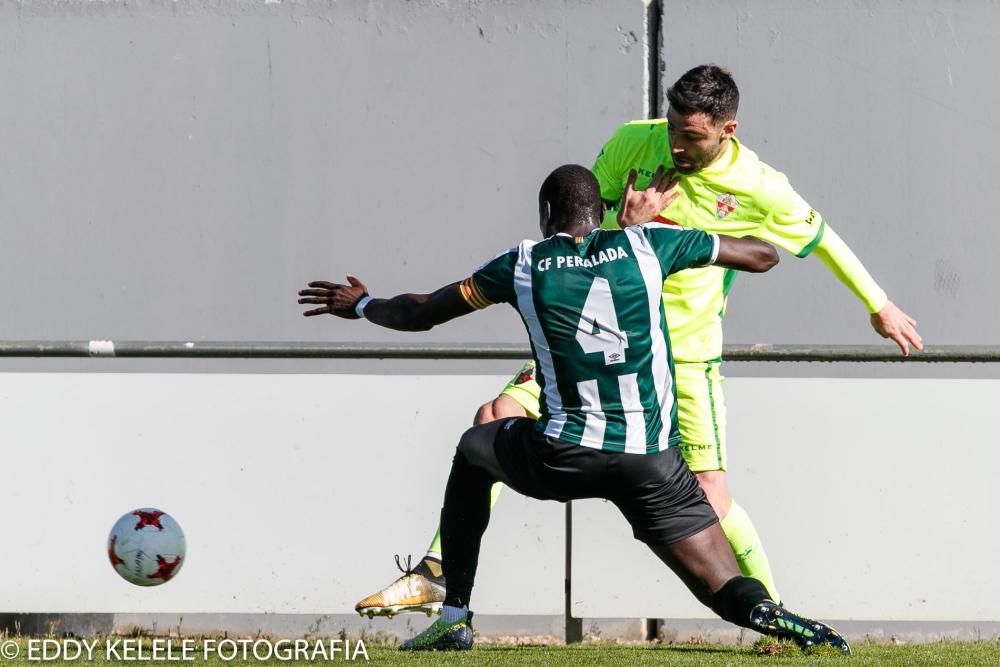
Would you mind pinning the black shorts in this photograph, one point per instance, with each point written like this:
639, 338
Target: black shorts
658, 494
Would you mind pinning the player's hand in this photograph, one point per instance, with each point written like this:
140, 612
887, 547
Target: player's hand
639, 206
336, 299
891, 322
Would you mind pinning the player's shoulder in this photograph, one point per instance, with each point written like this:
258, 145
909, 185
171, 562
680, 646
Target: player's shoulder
647, 233
647, 228
638, 133
505, 255
647, 124
641, 130
749, 162
758, 181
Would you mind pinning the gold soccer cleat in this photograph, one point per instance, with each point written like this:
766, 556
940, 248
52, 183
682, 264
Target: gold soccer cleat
420, 589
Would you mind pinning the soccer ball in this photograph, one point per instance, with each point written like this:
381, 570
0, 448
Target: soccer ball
146, 547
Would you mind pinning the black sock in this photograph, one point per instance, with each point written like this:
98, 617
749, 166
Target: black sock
464, 518
734, 601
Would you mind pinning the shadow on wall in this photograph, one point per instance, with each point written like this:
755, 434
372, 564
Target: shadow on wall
57, 625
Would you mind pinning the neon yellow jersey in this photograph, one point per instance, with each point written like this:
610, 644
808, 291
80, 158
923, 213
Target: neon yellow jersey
737, 195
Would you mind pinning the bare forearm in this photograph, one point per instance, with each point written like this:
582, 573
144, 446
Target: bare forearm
418, 312
746, 254
848, 269
403, 312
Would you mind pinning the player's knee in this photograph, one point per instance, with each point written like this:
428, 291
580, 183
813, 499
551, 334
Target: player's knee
476, 446
472, 442
485, 414
463, 442
713, 483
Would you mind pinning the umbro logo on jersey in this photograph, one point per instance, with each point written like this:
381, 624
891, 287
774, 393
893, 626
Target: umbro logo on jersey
725, 204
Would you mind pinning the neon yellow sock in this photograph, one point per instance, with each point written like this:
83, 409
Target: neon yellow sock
435, 548
749, 552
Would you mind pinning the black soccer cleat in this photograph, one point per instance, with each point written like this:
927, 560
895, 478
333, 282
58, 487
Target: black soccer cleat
771, 619
441, 636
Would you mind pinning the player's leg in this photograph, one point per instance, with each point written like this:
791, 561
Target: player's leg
661, 500
503, 406
421, 589
701, 418
669, 512
706, 564
434, 549
739, 529
464, 518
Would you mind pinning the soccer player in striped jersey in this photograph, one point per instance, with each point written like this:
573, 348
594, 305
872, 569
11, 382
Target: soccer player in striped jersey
591, 302
726, 189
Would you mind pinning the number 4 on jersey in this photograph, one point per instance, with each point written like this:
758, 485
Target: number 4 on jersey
597, 330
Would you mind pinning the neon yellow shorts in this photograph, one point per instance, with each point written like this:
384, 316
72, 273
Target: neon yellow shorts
524, 390
701, 410
701, 415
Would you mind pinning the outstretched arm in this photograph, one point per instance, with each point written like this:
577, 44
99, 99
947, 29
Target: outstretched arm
405, 312
886, 318
746, 254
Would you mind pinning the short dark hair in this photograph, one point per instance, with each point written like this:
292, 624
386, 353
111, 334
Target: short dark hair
573, 193
707, 89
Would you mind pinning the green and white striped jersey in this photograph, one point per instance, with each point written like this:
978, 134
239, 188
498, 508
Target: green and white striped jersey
593, 308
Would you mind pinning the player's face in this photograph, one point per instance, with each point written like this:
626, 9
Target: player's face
696, 140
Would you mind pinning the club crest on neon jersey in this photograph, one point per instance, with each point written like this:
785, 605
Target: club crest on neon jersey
725, 204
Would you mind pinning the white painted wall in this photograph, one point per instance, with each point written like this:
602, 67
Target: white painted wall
294, 491
874, 497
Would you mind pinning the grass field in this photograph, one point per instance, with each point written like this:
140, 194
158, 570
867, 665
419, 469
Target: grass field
583, 655
700, 655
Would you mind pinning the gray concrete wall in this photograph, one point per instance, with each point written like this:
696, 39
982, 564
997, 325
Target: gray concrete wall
180, 170
882, 114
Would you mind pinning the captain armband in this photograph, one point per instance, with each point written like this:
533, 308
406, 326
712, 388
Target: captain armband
472, 294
